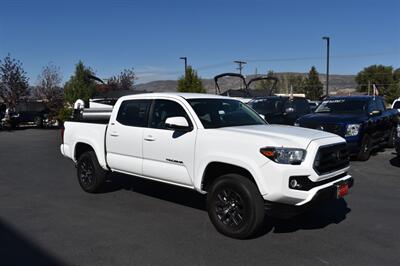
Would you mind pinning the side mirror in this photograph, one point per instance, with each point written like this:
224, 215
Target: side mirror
375, 113
262, 116
177, 123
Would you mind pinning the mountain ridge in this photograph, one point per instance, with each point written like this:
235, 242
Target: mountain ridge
336, 82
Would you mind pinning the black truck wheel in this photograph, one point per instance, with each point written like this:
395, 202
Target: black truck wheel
38, 122
235, 206
392, 138
365, 150
91, 175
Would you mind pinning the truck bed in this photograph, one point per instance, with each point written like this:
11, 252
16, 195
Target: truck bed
92, 133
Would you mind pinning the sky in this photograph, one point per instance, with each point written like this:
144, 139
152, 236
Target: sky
150, 36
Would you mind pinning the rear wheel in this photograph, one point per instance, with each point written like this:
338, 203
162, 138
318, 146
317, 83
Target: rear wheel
91, 175
38, 121
366, 147
235, 206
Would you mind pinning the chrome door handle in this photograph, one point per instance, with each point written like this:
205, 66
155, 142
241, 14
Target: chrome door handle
149, 138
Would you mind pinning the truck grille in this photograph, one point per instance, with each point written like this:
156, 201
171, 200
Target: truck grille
332, 128
331, 158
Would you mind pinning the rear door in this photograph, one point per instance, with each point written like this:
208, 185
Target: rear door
168, 155
125, 136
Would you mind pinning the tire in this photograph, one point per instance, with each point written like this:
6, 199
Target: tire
365, 150
235, 206
38, 122
91, 176
392, 138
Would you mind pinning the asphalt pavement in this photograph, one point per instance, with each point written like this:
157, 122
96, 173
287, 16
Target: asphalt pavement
46, 219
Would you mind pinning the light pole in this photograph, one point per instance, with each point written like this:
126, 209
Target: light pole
327, 63
185, 59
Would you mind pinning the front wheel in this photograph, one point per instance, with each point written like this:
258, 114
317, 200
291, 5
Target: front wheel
366, 148
91, 175
235, 206
392, 138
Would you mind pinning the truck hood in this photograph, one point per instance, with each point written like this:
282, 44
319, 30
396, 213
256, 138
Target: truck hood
322, 118
287, 136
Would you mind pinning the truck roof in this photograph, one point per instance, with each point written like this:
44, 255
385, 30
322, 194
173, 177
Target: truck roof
356, 97
184, 95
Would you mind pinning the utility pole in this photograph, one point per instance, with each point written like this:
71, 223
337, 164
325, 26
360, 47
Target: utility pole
327, 63
240, 67
185, 59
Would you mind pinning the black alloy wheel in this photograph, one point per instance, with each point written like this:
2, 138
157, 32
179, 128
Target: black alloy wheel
235, 206
91, 176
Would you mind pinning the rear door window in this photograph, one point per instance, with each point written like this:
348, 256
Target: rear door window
134, 113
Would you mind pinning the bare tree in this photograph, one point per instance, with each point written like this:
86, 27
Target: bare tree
13, 81
124, 81
49, 88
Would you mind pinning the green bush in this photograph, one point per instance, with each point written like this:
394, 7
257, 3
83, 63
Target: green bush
64, 114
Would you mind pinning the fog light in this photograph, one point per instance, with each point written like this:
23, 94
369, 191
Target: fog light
294, 184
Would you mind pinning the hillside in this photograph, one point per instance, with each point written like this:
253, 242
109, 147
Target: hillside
336, 82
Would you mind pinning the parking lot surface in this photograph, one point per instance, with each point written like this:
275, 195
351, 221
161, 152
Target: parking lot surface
46, 219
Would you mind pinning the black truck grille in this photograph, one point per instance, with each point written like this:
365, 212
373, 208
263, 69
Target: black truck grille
332, 128
331, 158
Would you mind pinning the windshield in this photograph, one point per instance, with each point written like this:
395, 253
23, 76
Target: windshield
270, 106
343, 106
216, 113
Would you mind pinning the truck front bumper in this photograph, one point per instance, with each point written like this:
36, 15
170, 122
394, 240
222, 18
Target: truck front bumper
281, 210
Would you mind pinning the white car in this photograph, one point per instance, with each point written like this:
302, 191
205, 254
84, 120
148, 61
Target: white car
217, 146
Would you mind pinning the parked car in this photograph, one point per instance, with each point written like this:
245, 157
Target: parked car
2, 113
363, 121
281, 109
29, 113
397, 143
396, 104
215, 145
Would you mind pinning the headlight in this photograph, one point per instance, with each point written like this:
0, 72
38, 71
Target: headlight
352, 130
284, 155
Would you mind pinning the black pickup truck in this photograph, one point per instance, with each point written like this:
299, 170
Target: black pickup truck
281, 109
29, 113
363, 121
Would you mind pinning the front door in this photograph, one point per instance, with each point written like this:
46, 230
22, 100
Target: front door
168, 155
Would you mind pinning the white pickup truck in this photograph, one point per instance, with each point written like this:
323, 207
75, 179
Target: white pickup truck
217, 146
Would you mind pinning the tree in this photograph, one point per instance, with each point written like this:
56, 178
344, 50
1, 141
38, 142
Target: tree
49, 88
190, 82
267, 84
297, 82
124, 81
80, 86
313, 86
13, 81
385, 79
